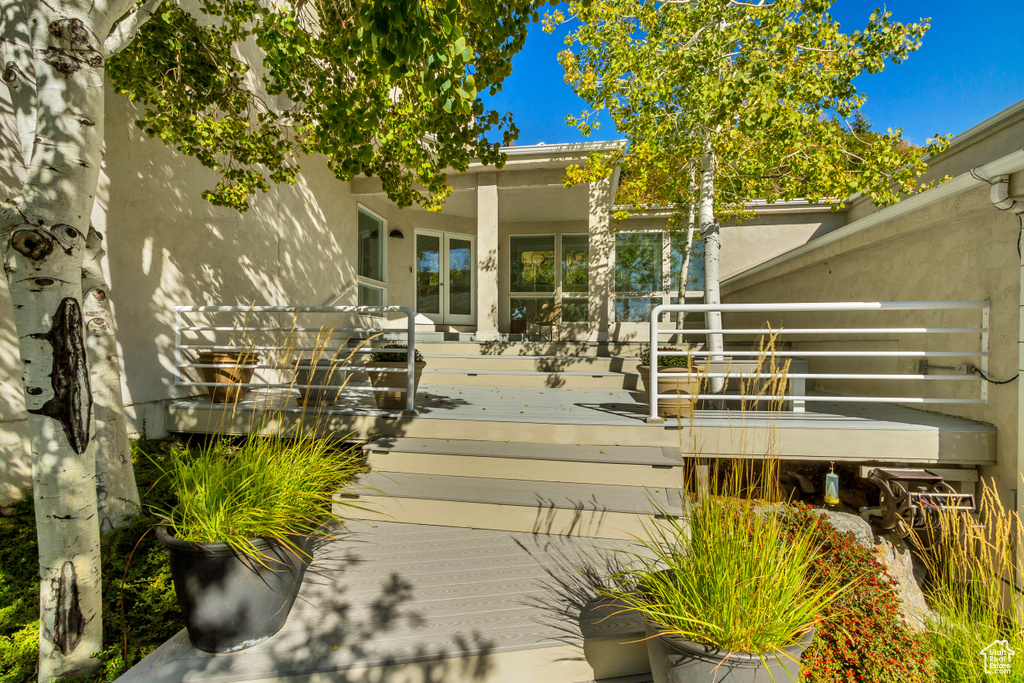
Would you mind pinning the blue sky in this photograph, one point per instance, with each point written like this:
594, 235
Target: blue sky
968, 68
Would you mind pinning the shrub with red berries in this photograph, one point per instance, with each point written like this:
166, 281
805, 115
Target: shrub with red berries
863, 637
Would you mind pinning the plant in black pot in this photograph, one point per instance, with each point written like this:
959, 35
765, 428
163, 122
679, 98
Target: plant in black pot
241, 534
682, 381
726, 594
385, 370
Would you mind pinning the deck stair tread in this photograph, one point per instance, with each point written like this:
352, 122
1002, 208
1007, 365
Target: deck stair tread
544, 357
622, 455
443, 616
531, 494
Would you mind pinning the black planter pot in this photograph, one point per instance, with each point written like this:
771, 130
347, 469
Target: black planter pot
677, 660
232, 601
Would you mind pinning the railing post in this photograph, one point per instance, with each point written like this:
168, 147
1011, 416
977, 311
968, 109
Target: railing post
410, 372
177, 345
653, 417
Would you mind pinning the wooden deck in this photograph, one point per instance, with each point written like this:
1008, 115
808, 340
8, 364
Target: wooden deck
827, 431
409, 603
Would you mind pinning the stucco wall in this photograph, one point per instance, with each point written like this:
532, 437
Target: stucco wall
958, 249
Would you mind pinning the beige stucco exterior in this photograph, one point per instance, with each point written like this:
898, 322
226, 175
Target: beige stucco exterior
957, 249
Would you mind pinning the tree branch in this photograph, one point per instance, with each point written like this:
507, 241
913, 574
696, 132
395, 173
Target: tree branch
126, 29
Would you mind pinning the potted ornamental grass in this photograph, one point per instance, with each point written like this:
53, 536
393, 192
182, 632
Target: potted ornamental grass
241, 534
726, 594
384, 370
683, 382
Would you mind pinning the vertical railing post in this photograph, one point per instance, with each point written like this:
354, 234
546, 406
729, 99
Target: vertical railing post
410, 373
177, 345
653, 417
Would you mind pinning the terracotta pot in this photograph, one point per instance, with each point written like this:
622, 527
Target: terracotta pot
232, 601
397, 380
228, 379
325, 372
685, 385
677, 660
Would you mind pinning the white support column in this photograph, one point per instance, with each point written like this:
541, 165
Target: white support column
602, 259
487, 257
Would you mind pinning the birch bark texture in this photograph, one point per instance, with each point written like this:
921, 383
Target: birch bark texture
55, 73
711, 233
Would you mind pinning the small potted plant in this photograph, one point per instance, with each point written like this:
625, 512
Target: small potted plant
229, 371
684, 383
240, 536
383, 370
726, 594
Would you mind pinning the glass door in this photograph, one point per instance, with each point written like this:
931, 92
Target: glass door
446, 277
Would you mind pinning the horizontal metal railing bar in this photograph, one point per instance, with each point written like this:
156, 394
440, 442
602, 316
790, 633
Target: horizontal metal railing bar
267, 347
834, 330
288, 368
829, 399
285, 328
839, 354
823, 307
262, 385
291, 309
814, 375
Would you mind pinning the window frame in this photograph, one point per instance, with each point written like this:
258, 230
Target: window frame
368, 282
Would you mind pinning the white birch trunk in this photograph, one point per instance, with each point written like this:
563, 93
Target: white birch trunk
43, 235
709, 230
684, 267
117, 496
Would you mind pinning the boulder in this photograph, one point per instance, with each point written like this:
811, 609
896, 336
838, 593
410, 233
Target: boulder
897, 559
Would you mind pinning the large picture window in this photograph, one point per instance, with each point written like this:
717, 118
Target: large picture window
372, 236
647, 270
532, 262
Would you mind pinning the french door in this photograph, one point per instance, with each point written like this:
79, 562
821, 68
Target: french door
446, 277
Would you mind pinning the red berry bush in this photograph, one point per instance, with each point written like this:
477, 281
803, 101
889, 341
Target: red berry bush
862, 638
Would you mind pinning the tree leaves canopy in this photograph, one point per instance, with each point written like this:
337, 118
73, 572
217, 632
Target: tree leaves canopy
766, 86
386, 88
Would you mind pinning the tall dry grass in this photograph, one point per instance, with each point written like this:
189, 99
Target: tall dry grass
973, 566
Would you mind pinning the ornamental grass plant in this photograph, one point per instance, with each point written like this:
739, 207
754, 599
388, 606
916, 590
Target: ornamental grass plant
972, 565
275, 486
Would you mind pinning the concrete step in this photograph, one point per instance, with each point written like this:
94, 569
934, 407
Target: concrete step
529, 378
571, 509
602, 465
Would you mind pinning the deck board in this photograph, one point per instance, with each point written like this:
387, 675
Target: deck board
382, 594
559, 416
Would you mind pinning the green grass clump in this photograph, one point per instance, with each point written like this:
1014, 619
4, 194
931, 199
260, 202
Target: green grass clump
266, 487
736, 579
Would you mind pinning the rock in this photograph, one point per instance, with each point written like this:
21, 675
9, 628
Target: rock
897, 559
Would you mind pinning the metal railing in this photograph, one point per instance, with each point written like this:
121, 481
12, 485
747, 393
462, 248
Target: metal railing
962, 348
278, 333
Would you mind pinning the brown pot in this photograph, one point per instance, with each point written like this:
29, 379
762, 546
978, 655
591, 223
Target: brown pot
228, 379
685, 385
395, 380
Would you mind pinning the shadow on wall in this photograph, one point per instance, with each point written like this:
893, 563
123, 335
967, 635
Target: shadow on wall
168, 246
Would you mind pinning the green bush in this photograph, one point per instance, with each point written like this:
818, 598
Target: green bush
862, 637
666, 361
397, 356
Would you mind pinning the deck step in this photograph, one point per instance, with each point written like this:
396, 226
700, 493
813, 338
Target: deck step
611, 465
562, 508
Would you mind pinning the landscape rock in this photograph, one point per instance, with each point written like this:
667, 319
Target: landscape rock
897, 559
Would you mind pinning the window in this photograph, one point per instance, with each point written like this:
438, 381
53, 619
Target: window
647, 270
532, 263
695, 273
575, 263
372, 240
